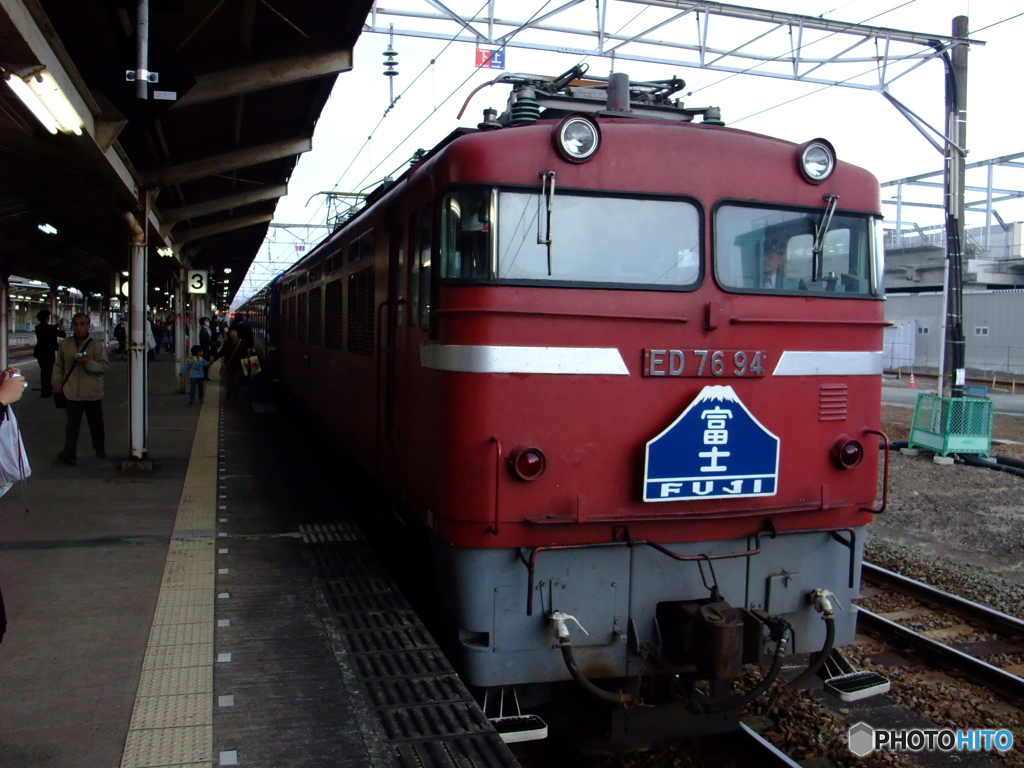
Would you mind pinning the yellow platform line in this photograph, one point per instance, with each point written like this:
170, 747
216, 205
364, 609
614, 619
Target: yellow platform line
172, 721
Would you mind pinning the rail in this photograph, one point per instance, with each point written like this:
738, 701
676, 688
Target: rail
975, 670
966, 609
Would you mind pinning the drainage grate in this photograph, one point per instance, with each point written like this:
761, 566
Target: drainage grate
427, 716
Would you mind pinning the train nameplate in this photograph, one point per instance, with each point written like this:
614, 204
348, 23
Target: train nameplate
704, 363
715, 449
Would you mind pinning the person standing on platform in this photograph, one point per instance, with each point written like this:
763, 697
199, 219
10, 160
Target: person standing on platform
78, 373
122, 338
206, 344
231, 371
47, 340
195, 366
244, 331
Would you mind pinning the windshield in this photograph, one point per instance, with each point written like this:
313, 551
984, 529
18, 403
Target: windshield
764, 249
608, 240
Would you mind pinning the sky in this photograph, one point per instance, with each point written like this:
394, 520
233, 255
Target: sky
359, 139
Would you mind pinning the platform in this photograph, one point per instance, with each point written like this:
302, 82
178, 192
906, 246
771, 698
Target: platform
222, 611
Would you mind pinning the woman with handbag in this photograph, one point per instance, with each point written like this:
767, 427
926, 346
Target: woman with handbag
231, 370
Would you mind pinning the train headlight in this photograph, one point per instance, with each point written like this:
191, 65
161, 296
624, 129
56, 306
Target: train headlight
847, 453
527, 463
577, 138
816, 160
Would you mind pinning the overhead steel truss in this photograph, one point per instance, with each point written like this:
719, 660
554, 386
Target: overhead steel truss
680, 33
986, 203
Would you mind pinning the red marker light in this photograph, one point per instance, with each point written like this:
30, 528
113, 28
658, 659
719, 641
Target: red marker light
527, 463
847, 454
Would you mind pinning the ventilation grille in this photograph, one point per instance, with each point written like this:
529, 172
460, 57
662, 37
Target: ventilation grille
316, 323
832, 402
332, 321
360, 312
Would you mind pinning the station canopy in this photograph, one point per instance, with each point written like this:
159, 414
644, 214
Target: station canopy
235, 90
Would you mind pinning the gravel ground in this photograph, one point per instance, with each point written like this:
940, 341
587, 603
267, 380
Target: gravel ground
959, 525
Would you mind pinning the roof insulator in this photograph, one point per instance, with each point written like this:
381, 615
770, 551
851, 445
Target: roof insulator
525, 109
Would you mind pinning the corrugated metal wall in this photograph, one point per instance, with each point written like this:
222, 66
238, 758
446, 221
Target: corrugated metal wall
993, 327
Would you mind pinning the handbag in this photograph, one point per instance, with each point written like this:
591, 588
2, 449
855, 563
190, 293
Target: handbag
59, 398
13, 460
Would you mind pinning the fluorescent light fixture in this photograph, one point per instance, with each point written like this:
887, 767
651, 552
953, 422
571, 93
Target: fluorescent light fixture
48, 229
227, 270
42, 95
165, 251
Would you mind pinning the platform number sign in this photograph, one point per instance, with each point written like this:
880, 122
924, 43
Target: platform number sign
715, 449
198, 279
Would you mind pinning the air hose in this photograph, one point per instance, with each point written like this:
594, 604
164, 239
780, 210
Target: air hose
818, 661
616, 698
559, 619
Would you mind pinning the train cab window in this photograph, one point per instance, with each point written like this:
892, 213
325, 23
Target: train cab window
466, 235
608, 240
770, 250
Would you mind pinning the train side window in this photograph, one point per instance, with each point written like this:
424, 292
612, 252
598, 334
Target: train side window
291, 317
465, 237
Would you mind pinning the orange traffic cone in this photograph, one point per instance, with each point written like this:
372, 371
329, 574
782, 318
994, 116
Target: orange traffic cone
912, 385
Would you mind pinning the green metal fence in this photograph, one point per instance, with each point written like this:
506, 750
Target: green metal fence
952, 424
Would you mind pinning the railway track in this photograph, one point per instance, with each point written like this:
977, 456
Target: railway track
965, 658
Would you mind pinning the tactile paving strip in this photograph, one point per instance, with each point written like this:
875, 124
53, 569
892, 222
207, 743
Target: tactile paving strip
172, 721
427, 716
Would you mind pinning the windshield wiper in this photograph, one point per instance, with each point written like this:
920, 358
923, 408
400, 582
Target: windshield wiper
820, 230
547, 201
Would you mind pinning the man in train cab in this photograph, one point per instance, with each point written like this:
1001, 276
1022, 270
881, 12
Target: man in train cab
774, 260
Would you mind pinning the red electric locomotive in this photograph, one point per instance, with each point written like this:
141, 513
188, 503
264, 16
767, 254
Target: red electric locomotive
625, 370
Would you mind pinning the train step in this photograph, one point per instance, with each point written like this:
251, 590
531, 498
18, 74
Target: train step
848, 684
513, 728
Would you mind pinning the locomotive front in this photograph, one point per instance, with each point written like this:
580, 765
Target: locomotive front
656, 346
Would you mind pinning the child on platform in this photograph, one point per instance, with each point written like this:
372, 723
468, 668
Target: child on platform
193, 368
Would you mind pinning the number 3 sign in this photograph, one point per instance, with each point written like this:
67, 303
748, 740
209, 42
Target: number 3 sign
197, 279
